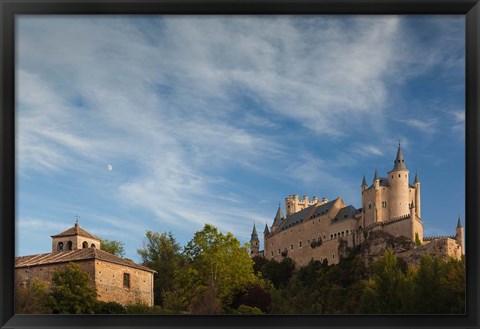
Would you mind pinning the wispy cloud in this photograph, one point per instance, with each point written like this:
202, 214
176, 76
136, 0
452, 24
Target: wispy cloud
427, 126
187, 116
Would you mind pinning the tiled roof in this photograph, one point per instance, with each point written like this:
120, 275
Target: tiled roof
307, 213
76, 255
346, 213
383, 182
75, 230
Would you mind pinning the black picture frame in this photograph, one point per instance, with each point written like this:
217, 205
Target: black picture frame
11, 8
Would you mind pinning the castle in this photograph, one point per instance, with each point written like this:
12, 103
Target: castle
315, 229
115, 278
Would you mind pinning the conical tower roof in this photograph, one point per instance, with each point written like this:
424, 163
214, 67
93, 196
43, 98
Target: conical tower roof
278, 217
266, 230
375, 176
416, 178
459, 223
399, 162
364, 183
254, 236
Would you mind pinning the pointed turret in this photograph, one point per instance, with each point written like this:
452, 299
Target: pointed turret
254, 242
266, 230
278, 217
399, 162
375, 176
416, 181
254, 236
459, 223
364, 183
460, 236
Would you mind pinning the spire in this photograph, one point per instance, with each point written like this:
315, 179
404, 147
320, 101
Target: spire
375, 177
459, 224
416, 178
266, 230
364, 183
254, 236
278, 217
399, 162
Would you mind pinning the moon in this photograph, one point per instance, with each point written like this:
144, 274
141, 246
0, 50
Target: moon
109, 167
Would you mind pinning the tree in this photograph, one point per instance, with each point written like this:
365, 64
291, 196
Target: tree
384, 293
72, 291
109, 308
161, 253
279, 273
219, 260
114, 247
32, 298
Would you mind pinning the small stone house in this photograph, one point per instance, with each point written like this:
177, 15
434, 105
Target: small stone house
116, 279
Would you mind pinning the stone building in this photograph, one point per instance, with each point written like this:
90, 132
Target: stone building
315, 229
115, 278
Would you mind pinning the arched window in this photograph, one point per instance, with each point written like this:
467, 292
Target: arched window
69, 245
93, 245
60, 246
85, 244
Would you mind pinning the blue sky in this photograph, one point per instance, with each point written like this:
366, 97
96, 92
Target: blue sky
218, 119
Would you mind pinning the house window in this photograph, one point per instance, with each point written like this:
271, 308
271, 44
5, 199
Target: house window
69, 245
85, 244
93, 245
60, 246
126, 280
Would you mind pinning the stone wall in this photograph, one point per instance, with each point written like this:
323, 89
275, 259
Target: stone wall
44, 272
443, 248
109, 279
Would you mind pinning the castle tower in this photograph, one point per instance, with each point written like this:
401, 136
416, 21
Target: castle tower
416, 185
460, 236
254, 242
74, 238
364, 184
278, 220
399, 187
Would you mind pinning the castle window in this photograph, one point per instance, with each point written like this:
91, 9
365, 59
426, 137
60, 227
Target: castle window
398, 175
291, 246
300, 244
392, 176
272, 253
369, 206
60, 246
279, 251
69, 245
85, 244
126, 280
333, 256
